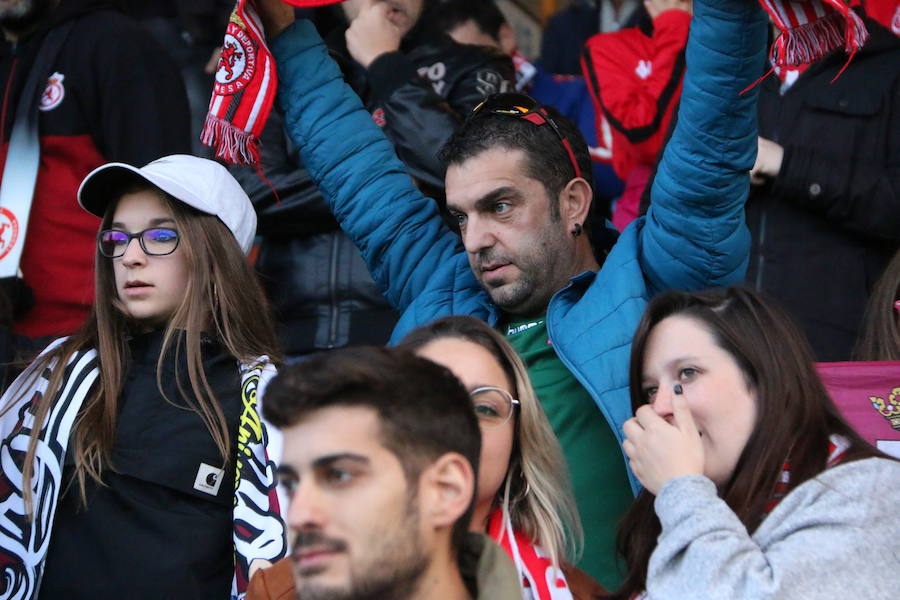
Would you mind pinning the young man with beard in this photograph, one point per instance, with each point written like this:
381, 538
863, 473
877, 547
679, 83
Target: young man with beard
518, 183
380, 458
106, 91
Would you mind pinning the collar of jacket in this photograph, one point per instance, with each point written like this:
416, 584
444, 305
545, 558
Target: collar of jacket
487, 570
578, 284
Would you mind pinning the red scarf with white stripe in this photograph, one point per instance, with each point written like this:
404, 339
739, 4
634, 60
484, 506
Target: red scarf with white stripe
537, 575
810, 29
837, 448
244, 90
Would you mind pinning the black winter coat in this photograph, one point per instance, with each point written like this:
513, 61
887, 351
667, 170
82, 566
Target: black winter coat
824, 229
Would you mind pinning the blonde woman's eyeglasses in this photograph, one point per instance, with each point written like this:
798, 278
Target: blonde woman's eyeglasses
493, 406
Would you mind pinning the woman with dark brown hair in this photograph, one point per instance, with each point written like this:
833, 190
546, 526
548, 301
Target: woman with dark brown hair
755, 486
137, 441
880, 338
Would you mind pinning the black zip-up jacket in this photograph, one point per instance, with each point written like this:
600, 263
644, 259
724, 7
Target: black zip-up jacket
825, 227
419, 94
320, 288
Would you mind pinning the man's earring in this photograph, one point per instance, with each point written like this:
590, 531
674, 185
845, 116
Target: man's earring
576, 231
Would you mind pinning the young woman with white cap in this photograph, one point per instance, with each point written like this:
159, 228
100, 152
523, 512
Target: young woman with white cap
132, 455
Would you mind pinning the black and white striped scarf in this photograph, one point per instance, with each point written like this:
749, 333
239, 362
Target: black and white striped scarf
258, 529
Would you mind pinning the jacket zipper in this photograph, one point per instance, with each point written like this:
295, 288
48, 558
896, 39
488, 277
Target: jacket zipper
332, 286
635, 487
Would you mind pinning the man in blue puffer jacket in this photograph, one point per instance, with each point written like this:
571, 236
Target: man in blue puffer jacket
522, 262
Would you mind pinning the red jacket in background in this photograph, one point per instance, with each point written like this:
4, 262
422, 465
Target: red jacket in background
635, 83
886, 12
112, 94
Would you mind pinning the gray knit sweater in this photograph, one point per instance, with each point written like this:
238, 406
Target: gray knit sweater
836, 536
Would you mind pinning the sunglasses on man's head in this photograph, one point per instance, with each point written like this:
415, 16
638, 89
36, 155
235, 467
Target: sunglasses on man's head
529, 109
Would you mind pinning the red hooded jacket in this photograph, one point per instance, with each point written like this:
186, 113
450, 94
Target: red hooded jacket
635, 83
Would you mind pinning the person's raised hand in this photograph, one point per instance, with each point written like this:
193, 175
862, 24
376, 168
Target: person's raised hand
769, 157
657, 7
372, 34
276, 16
658, 451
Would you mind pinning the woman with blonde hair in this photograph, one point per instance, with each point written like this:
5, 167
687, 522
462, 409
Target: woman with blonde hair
133, 455
524, 499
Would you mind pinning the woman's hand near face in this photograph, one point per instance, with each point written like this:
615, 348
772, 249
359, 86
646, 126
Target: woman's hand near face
658, 451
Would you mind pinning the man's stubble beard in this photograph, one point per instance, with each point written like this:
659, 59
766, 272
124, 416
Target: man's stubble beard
389, 574
531, 292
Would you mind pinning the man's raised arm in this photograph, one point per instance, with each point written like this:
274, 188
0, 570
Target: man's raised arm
694, 234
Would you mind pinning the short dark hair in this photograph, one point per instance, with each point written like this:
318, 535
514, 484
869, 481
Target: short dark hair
423, 410
450, 14
546, 160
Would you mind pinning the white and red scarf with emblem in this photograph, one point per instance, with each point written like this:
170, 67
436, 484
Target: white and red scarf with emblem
245, 86
540, 580
244, 89
258, 532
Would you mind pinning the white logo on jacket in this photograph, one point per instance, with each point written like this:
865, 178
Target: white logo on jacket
208, 479
54, 92
644, 69
435, 75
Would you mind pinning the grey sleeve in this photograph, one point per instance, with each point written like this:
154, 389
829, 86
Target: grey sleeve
831, 537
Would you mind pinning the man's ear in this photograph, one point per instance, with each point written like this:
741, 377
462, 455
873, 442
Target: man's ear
575, 202
448, 486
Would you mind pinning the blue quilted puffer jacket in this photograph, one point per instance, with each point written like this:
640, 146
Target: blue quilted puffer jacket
693, 237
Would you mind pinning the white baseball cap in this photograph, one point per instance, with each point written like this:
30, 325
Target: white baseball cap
198, 182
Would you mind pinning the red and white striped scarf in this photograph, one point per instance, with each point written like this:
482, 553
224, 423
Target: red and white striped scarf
244, 90
837, 448
245, 86
810, 29
540, 580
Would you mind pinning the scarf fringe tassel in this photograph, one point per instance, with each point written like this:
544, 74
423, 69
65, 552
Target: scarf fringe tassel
810, 42
231, 143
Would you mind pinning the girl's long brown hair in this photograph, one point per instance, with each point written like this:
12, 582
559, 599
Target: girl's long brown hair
881, 328
222, 299
795, 415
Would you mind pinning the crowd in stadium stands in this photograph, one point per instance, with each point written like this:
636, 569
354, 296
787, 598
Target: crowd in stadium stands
621, 320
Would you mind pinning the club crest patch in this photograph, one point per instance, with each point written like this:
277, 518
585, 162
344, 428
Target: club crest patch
238, 61
54, 92
9, 231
